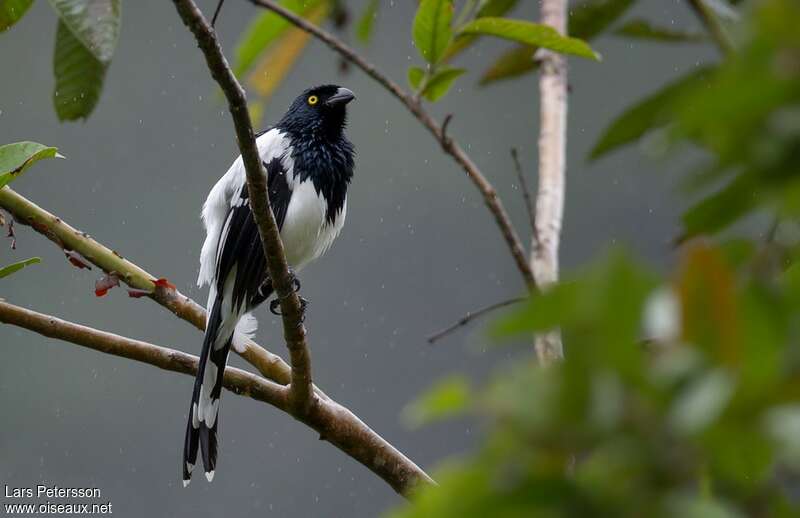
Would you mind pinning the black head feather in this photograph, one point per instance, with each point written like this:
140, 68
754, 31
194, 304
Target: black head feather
318, 112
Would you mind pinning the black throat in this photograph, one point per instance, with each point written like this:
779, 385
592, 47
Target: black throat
324, 156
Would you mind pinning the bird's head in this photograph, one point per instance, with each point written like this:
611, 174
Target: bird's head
319, 111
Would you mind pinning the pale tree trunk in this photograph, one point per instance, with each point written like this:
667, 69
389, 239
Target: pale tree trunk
552, 165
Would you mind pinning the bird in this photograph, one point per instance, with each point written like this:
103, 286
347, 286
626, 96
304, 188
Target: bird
309, 164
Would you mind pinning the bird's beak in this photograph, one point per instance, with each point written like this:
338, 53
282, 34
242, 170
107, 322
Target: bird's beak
340, 98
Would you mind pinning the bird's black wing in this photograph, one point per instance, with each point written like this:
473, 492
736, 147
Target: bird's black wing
240, 244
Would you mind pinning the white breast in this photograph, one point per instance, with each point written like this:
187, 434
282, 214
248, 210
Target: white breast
306, 234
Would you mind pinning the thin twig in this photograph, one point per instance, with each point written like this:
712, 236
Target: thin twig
552, 170
333, 422
472, 315
302, 394
450, 146
526, 192
216, 12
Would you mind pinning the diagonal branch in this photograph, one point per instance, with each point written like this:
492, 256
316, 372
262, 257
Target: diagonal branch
301, 393
68, 238
449, 145
334, 423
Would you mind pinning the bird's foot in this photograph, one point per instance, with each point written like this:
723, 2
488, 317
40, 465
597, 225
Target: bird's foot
274, 305
295, 280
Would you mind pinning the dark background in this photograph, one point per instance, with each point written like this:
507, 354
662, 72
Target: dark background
419, 249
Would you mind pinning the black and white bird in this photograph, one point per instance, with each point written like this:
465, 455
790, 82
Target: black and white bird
309, 164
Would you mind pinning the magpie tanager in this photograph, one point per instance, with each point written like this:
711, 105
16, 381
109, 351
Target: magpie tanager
309, 164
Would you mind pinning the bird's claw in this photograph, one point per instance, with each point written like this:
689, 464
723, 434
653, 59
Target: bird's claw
273, 307
295, 280
275, 304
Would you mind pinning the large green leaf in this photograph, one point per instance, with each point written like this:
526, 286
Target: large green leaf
642, 29
512, 63
646, 115
17, 157
15, 267
79, 76
431, 30
530, 34
95, 23
591, 17
263, 31
366, 22
11, 11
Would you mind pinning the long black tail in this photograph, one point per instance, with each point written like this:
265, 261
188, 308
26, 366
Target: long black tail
201, 428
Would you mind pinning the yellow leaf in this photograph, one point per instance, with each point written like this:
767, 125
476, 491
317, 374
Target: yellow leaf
282, 55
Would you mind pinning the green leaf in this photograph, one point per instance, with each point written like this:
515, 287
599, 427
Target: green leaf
17, 157
415, 76
431, 30
367, 21
487, 8
648, 114
642, 29
262, 32
95, 23
79, 77
11, 11
591, 17
530, 34
438, 85
13, 268
512, 63
448, 398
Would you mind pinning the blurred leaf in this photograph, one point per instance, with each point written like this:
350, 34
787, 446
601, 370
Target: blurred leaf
79, 77
646, 115
530, 34
11, 11
642, 29
512, 63
431, 30
263, 30
366, 22
783, 425
13, 268
94, 23
17, 157
591, 17
448, 398
256, 110
710, 313
284, 52
717, 211
415, 76
702, 402
441, 82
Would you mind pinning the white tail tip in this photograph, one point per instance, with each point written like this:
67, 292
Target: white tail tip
186, 482
210, 475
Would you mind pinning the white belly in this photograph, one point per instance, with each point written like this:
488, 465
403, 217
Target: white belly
306, 234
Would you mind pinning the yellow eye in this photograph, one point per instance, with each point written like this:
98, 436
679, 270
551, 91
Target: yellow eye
312, 100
